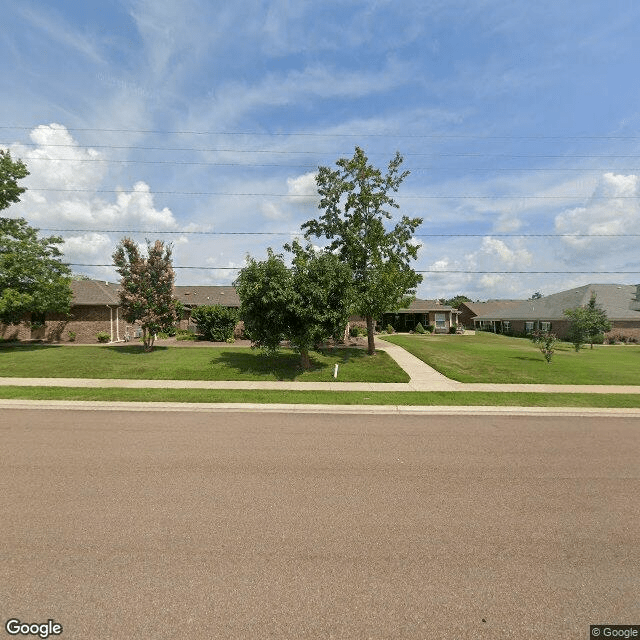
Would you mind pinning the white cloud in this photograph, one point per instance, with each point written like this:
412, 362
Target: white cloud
613, 208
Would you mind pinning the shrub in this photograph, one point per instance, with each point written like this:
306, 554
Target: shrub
431, 328
103, 336
545, 341
452, 328
419, 328
187, 336
72, 336
597, 339
215, 323
390, 329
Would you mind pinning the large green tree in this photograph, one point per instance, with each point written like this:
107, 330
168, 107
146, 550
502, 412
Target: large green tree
587, 322
10, 172
356, 201
146, 292
304, 304
33, 280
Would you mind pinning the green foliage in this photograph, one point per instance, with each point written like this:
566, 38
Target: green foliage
456, 301
431, 328
390, 329
146, 293
545, 341
10, 172
453, 328
356, 202
215, 323
587, 323
419, 328
32, 277
72, 336
304, 304
103, 336
357, 330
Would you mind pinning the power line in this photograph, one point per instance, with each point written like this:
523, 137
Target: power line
313, 195
306, 166
336, 135
431, 271
299, 232
325, 153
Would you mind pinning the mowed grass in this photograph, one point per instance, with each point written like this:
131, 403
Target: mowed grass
362, 398
202, 363
486, 357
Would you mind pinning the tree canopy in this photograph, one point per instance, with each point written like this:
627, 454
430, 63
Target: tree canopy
356, 201
146, 293
587, 322
304, 304
33, 280
10, 172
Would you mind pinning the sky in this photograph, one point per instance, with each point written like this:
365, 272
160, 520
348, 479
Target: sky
203, 124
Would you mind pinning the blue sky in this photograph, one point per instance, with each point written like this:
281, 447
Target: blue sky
201, 118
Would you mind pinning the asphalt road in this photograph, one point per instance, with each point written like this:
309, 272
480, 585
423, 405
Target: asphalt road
122, 525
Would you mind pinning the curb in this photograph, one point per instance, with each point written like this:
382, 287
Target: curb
83, 405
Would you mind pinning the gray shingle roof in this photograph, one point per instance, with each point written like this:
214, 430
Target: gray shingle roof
98, 292
94, 292
615, 299
422, 306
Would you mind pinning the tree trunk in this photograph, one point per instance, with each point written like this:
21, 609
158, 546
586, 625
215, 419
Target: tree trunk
304, 359
371, 345
147, 340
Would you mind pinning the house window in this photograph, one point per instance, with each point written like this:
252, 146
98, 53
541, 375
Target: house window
506, 326
441, 322
545, 326
528, 327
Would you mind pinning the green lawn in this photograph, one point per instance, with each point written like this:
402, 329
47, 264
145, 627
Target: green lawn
185, 363
486, 357
398, 398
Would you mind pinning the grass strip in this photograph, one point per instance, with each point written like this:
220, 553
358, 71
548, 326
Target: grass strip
184, 363
407, 398
491, 358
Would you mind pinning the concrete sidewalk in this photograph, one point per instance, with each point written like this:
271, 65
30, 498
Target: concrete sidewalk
422, 378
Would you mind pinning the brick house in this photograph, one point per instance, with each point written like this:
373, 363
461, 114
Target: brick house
547, 313
425, 312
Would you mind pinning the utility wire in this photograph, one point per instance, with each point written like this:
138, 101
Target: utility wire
434, 271
287, 233
313, 195
324, 153
337, 135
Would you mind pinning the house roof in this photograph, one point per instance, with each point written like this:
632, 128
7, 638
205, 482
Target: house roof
491, 306
210, 295
94, 292
422, 306
98, 292
615, 299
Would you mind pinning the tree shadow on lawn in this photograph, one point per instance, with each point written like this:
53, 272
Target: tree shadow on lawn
28, 347
284, 366
133, 348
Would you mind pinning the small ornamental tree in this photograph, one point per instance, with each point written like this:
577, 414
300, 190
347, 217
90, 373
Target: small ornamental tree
215, 323
545, 341
587, 323
304, 304
146, 293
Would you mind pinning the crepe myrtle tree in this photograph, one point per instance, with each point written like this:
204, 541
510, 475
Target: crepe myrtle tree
304, 303
146, 293
356, 202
